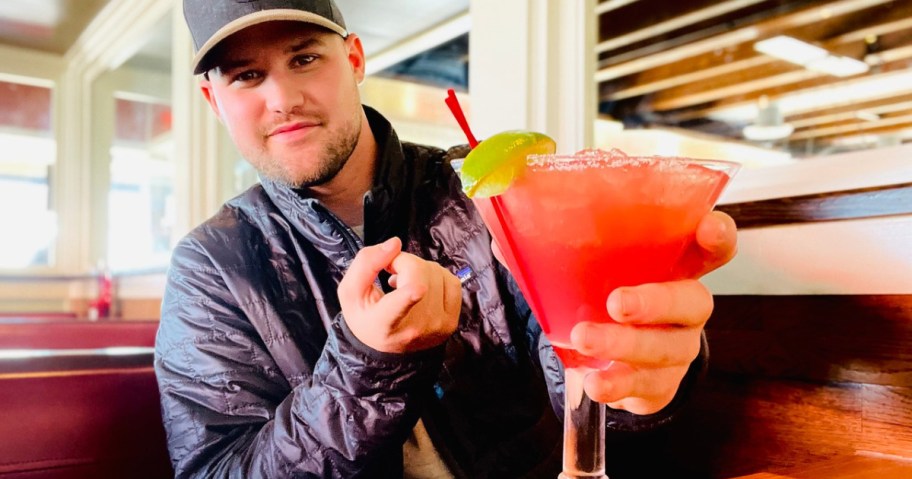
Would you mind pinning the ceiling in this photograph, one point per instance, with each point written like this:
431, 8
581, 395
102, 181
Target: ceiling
45, 25
689, 64
54, 25
692, 64
385, 23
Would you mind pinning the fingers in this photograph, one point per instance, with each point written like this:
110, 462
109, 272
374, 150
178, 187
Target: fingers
684, 303
412, 284
657, 325
421, 311
653, 341
716, 244
358, 282
413, 279
655, 346
398, 303
718, 236
452, 290
640, 391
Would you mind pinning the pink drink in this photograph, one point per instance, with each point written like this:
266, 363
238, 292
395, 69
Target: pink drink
574, 228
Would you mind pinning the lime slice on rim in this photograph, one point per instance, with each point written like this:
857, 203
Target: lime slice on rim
492, 166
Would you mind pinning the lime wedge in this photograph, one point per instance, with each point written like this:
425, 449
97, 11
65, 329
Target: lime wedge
492, 166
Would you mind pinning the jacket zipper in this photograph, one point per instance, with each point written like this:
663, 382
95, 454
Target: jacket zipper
354, 244
352, 241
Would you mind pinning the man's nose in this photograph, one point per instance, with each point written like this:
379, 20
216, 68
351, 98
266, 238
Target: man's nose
284, 94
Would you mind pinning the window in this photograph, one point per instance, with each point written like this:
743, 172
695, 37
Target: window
27, 156
141, 214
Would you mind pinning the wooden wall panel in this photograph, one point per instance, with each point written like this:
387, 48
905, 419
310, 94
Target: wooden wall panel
737, 426
820, 338
794, 382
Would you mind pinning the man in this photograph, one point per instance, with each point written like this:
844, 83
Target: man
288, 348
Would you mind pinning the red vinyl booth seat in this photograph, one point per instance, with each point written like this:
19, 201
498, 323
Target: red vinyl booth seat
82, 414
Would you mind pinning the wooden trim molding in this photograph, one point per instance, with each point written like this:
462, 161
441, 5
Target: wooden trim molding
873, 202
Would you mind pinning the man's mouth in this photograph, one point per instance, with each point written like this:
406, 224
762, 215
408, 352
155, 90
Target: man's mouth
291, 127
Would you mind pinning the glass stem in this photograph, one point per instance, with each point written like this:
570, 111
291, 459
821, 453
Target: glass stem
584, 430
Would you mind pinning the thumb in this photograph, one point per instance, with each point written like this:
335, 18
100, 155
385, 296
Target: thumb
358, 282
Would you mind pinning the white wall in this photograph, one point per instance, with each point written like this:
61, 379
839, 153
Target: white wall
867, 256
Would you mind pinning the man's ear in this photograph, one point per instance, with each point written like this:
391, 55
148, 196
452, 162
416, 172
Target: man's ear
209, 95
355, 56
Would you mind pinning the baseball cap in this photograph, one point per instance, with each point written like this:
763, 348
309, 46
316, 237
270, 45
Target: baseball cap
211, 21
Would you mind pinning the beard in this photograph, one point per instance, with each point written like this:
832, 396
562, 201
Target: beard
328, 162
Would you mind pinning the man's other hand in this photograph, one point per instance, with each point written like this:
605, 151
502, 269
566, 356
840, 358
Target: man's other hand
421, 312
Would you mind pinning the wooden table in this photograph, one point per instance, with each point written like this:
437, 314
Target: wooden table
851, 467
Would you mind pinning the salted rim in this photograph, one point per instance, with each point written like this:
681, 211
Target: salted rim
615, 158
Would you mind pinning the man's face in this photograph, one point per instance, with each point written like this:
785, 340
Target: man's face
288, 94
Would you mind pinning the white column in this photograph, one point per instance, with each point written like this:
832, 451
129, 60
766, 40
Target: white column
102, 109
71, 172
532, 67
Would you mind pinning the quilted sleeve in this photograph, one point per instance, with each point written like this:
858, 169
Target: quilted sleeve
229, 412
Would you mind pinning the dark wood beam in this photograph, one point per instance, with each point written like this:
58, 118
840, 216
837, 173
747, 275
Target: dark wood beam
674, 53
870, 115
899, 65
707, 67
623, 27
778, 74
885, 125
839, 109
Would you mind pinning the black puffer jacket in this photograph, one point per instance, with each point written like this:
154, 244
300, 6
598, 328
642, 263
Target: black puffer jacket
260, 377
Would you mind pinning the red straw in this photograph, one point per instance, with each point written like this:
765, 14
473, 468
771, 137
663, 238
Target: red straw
497, 206
453, 103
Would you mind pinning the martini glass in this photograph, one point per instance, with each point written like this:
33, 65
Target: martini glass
572, 228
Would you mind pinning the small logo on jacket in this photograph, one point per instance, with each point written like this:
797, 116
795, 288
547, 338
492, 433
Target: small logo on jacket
465, 274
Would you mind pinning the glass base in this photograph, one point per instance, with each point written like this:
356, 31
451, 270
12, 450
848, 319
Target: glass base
564, 475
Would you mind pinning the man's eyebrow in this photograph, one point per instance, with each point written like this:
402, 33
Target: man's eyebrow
229, 65
304, 44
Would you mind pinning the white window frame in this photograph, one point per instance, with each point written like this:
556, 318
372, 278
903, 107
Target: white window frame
83, 126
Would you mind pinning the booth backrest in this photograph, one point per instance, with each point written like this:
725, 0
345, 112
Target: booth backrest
70, 408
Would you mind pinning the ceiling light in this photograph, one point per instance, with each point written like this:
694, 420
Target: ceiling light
770, 125
810, 56
767, 133
838, 66
867, 116
791, 50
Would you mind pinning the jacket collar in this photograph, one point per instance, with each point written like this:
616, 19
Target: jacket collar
383, 214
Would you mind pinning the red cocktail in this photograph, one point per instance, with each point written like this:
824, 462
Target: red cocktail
574, 228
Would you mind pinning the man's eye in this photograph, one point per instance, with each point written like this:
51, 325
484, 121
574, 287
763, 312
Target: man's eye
302, 60
246, 76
